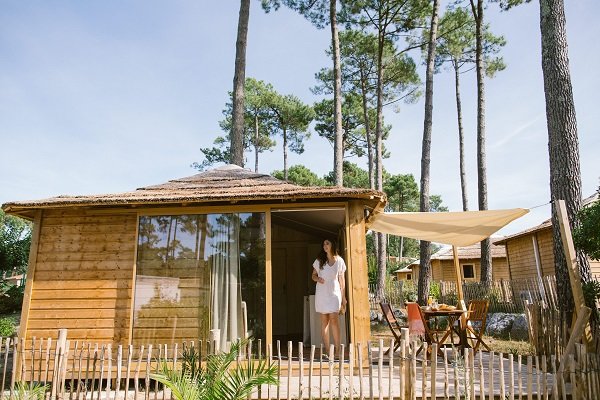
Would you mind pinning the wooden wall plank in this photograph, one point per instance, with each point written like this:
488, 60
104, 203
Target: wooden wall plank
90, 304
82, 275
82, 279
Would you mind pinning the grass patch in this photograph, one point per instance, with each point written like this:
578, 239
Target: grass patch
505, 346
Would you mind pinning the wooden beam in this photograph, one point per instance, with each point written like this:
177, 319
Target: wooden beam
379, 208
33, 251
268, 280
31, 264
129, 339
581, 324
572, 266
458, 275
360, 326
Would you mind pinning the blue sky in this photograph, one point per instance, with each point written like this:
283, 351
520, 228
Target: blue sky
108, 96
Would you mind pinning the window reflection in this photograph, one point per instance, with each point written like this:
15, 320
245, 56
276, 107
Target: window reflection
200, 272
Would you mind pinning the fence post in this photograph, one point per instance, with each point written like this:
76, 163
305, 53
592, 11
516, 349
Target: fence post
405, 370
214, 336
61, 344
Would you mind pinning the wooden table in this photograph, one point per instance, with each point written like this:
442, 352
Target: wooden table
453, 316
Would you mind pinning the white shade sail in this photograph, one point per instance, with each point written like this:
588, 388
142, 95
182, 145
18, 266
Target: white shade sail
455, 228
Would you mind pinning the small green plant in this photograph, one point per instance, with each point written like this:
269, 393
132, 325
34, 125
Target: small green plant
28, 391
435, 290
409, 291
219, 378
11, 299
591, 292
190, 360
7, 327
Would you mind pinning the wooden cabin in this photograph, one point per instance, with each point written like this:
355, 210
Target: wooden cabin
405, 274
227, 250
530, 254
442, 264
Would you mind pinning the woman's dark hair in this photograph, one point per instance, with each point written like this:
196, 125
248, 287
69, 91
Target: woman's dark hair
322, 257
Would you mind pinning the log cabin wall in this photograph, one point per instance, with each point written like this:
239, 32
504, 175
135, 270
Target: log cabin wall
545, 246
522, 258
443, 270
83, 270
522, 255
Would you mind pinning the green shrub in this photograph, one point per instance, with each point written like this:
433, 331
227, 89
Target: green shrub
586, 234
435, 290
7, 327
11, 300
410, 291
591, 292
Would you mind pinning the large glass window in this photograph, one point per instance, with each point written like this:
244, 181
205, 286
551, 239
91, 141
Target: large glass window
200, 272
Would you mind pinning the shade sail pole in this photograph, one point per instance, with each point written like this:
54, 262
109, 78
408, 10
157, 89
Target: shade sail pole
459, 288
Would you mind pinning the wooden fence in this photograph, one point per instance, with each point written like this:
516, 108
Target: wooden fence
507, 296
358, 371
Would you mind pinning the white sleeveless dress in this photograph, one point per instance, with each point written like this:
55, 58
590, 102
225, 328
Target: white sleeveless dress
328, 295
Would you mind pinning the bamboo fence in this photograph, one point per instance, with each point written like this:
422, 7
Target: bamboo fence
359, 371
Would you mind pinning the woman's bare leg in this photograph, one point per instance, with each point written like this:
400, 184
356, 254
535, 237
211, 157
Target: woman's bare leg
325, 331
335, 330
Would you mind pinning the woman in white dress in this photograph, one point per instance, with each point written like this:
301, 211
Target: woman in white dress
330, 294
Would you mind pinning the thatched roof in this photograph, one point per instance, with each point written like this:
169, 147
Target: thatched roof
227, 184
472, 252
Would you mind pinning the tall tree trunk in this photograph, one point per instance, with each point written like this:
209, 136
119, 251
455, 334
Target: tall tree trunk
255, 143
381, 238
338, 149
486, 259
285, 168
425, 247
563, 143
461, 139
239, 78
365, 107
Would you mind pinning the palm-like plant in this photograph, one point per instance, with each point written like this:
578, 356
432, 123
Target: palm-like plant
27, 391
218, 379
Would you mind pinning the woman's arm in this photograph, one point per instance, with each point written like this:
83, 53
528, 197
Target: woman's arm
316, 277
342, 281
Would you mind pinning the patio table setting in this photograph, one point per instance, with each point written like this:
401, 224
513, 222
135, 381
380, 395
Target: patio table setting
431, 319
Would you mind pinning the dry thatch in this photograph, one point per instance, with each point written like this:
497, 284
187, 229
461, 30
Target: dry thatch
227, 184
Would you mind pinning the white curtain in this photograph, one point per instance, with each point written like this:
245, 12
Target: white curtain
226, 296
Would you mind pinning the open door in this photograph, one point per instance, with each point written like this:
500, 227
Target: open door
297, 236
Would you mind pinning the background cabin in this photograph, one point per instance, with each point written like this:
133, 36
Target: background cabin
530, 253
227, 250
442, 264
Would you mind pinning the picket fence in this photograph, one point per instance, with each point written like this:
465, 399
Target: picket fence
359, 371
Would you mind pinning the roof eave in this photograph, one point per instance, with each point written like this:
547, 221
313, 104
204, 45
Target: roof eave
27, 210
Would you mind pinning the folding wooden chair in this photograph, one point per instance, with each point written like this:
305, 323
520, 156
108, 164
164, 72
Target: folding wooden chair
476, 322
393, 323
417, 325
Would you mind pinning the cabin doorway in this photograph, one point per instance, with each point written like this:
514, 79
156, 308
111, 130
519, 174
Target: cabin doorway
296, 239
